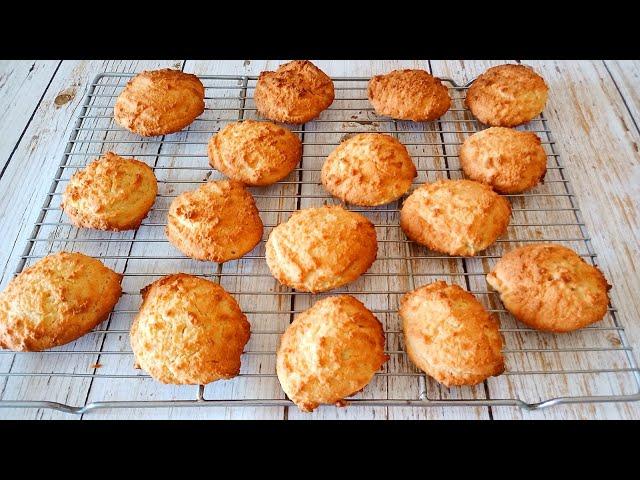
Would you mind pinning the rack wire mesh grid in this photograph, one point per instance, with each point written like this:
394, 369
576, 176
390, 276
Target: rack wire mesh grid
591, 365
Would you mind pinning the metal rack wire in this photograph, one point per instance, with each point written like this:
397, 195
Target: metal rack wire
592, 365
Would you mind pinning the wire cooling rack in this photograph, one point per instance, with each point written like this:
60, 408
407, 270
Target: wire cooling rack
591, 365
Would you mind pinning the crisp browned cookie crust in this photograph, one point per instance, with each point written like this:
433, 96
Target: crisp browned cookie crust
295, 93
56, 301
320, 249
111, 193
255, 153
329, 352
508, 160
450, 336
218, 222
409, 95
159, 102
507, 95
550, 287
457, 217
188, 331
368, 169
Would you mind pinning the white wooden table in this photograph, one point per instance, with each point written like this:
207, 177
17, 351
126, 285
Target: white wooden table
593, 110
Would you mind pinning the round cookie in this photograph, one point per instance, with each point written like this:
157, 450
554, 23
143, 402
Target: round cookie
111, 193
218, 222
322, 248
450, 336
368, 169
56, 301
509, 160
189, 331
295, 93
329, 352
457, 217
507, 95
549, 287
255, 153
159, 102
409, 95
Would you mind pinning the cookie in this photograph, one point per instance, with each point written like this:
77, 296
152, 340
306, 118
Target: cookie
450, 336
329, 352
508, 160
255, 153
217, 222
189, 331
550, 287
409, 95
457, 217
295, 93
111, 193
319, 249
507, 95
368, 169
56, 301
158, 102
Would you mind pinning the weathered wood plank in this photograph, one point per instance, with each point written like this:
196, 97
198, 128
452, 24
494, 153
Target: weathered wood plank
22, 84
626, 76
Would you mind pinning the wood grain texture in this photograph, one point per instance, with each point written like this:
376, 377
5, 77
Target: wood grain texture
626, 76
590, 111
22, 85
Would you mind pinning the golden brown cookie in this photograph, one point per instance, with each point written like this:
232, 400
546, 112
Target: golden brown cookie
158, 102
56, 301
549, 287
319, 249
507, 95
457, 217
450, 336
508, 160
218, 221
329, 352
255, 153
295, 93
368, 169
188, 331
409, 95
111, 193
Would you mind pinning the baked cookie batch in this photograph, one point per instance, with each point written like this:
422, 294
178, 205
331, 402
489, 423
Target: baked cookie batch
191, 331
